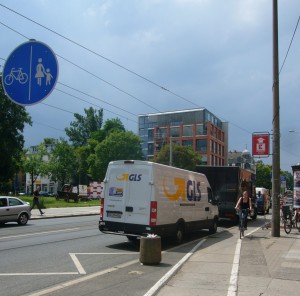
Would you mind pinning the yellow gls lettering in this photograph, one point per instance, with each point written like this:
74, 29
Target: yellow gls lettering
180, 183
123, 178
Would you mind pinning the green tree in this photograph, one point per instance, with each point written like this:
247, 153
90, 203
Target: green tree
263, 175
117, 145
83, 127
62, 164
182, 157
33, 163
109, 126
264, 179
12, 122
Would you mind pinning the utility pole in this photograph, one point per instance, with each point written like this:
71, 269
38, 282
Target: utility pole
275, 226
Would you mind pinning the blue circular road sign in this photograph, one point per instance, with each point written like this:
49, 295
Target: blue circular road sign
30, 73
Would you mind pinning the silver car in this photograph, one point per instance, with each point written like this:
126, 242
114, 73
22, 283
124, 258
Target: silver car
13, 209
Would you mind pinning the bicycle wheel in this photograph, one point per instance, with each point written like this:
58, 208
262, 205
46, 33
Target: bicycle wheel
287, 226
9, 79
23, 78
241, 228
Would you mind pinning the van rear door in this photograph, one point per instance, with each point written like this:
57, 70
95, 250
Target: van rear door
128, 194
138, 195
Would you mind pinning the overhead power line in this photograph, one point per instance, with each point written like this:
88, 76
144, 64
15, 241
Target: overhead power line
99, 55
290, 44
87, 71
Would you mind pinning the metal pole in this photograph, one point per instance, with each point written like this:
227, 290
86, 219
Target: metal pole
276, 130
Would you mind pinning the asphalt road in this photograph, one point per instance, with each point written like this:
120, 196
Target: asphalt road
69, 256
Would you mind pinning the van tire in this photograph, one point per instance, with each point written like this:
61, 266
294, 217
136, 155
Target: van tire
179, 234
213, 228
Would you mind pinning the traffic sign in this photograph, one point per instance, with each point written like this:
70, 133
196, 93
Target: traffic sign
30, 73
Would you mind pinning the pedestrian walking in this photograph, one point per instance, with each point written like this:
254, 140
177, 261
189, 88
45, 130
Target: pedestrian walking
35, 201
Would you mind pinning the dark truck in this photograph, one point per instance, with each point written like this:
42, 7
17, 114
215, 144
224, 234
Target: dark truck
67, 192
228, 183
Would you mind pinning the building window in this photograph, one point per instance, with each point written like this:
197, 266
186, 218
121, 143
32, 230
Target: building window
188, 143
150, 148
150, 135
203, 159
142, 132
201, 129
161, 133
175, 132
187, 131
201, 145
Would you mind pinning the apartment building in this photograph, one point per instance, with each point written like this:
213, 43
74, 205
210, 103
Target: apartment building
197, 128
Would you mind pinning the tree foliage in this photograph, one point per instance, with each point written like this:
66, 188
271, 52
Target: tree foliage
62, 164
117, 145
33, 163
264, 176
182, 157
12, 122
83, 127
109, 126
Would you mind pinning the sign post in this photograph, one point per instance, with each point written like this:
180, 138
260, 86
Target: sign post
30, 73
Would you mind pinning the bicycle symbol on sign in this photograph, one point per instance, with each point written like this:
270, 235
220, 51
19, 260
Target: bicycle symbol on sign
16, 74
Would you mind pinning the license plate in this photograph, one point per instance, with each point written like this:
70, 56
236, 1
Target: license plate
114, 214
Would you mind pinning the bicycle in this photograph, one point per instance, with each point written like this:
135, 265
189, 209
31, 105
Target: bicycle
287, 216
16, 75
242, 221
296, 219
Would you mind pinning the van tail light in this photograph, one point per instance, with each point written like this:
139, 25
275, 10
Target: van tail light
153, 213
101, 209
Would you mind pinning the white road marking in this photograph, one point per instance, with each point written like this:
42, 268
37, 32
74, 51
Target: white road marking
82, 279
78, 264
232, 289
233, 282
36, 274
170, 273
38, 233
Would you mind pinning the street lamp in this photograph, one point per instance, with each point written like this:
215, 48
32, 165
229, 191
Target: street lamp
292, 131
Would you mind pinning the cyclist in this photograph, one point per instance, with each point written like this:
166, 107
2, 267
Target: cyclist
244, 203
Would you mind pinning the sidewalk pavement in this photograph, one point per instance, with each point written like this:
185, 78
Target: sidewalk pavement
259, 264
65, 212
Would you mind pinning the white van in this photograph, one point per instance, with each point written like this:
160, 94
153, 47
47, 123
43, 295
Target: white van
143, 198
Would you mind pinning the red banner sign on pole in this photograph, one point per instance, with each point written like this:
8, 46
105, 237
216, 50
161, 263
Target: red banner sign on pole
261, 144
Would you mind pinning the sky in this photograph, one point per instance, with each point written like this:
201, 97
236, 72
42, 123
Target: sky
133, 57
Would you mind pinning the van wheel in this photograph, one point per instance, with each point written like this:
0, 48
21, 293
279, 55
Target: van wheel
213, 228
179, 234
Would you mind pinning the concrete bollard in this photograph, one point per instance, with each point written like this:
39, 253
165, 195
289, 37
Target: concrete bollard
150, 250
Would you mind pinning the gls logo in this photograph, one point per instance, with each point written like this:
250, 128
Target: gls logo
131, 177
187, 190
